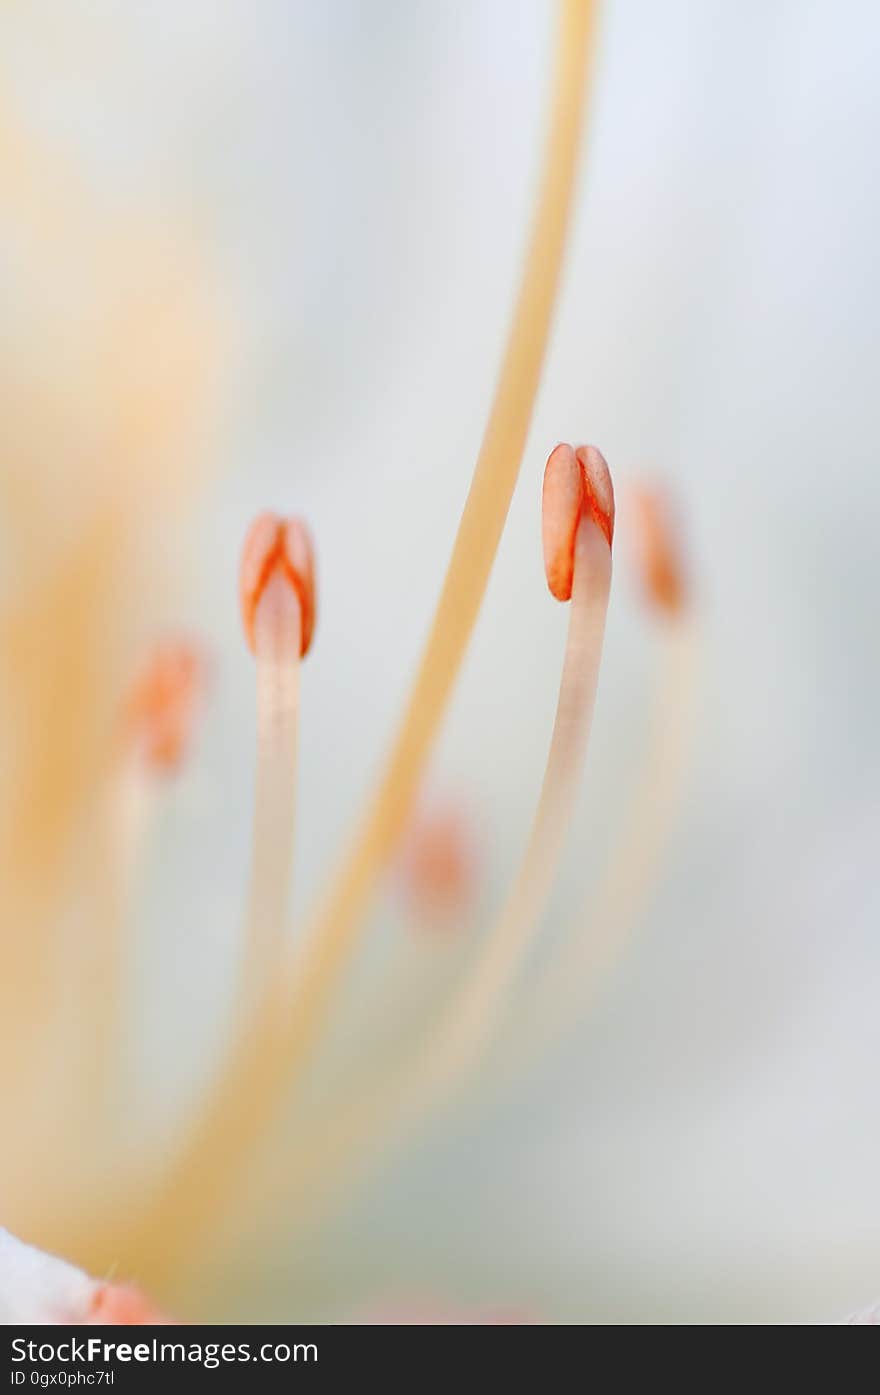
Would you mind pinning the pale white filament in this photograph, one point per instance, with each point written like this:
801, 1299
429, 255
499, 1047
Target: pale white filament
277, 628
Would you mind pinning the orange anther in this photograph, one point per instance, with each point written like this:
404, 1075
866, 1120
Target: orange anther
163, 701
285, 544
576, 483
440, 863
660, 549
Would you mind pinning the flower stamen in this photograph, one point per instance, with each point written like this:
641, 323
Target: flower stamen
660, 553
277, 594
158, 718
561, 992
468, 1020
438, 867
162, 705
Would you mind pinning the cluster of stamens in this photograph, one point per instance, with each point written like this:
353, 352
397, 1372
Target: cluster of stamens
159, 1231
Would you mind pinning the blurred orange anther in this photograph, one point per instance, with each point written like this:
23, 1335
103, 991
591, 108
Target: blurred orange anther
122, 1305
163, 701
577, 483
660, 549
285, 544
439, 864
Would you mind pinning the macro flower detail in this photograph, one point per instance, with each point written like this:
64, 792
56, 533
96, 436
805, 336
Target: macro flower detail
172, 1200
464, 953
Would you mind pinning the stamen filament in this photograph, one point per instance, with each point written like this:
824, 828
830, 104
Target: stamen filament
560, 992
99, 968
472, 1018
158, 719
277, 595
596, 941
277, 644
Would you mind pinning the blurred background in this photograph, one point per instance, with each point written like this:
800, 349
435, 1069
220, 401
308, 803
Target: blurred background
339, 195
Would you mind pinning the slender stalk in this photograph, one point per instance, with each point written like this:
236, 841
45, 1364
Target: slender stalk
560, 995
98, 971
472, 1016
277, 646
